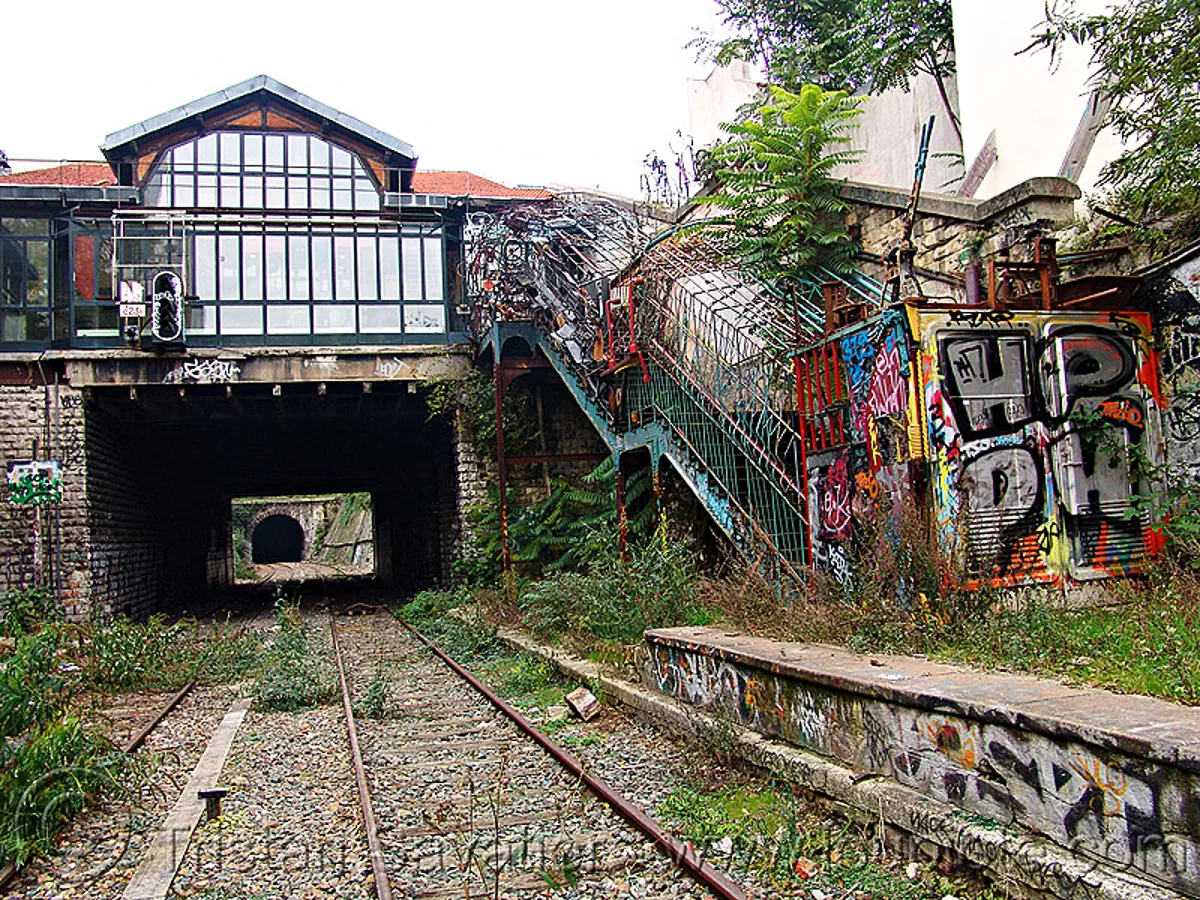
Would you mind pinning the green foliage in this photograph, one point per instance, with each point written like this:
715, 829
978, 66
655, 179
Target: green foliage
22, 611
473, 399
867, 46
616, 600
446, 618
295, 676
1145, 55
374, 704
128, 655
32, 687
573, 524
783, 206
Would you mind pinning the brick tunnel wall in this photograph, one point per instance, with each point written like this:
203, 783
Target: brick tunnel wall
146, 553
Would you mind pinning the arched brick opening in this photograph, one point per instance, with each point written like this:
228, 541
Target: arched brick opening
277, 538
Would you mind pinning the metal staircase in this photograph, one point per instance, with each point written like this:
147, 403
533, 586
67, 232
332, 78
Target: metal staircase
668, 347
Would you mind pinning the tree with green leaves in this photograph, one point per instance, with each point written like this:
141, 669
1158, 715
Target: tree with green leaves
782, 206
1145, 56
865, 46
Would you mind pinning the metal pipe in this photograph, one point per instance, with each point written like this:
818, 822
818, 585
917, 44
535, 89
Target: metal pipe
683, 855
383, 888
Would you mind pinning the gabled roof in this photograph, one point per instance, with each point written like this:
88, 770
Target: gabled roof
467, 184
452, 184
259, 84
75, 174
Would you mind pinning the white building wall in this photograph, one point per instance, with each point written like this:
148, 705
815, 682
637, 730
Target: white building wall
1033, 108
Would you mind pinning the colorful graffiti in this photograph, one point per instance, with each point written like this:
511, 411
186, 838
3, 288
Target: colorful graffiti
1034, 431
1133, 811
34, 483
1042, 429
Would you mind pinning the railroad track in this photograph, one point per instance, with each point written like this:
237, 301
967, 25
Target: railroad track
461, 797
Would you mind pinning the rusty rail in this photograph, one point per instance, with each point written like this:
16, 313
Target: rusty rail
682, 854
383, 888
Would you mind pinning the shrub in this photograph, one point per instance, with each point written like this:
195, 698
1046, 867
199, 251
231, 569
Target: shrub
26, 610
294, 677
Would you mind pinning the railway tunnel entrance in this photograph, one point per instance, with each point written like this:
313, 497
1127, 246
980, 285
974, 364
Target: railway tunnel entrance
167, 468
277, 539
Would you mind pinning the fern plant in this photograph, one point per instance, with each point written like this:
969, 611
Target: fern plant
782, 203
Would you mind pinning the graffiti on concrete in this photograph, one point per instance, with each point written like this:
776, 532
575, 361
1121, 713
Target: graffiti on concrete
34, 482
204, 371
1133, 812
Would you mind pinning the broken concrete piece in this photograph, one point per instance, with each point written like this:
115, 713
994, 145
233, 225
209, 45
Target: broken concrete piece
583, 703
554, 713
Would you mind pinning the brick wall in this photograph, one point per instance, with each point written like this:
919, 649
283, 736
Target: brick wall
38, 543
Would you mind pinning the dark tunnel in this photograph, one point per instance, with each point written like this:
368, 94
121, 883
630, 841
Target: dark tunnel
277, 539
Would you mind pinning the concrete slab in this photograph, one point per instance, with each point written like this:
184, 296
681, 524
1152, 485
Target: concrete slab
153, 878
1142, 726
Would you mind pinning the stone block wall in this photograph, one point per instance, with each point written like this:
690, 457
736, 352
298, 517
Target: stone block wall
39, 543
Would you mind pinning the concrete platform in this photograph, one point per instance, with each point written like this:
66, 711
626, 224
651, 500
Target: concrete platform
1113, 777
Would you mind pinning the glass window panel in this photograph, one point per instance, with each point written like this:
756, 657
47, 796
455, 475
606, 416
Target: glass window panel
85, 266
275, 192
343, 247
206, 190
297, 193
297, 148
37, 273
229, 267
343, 193
287, 319
241, 320
26, 226
231, 152
206, 153
367, 289
104, 252
185, 190
206, 266
366, 198
341, 161
274, 145
252, 267
96, 321
231, 190
320, 156
184, 157
320, 193
158, 190
200, 320
332, 319
276, 267
252, 192
322, 267
433, 268
412, 269
298, 267
379, 319
424, 318
253, 152
389, 267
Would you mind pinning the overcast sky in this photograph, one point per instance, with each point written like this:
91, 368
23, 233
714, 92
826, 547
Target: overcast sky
523, 91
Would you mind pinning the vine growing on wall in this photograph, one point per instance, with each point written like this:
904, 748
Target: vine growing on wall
473, 399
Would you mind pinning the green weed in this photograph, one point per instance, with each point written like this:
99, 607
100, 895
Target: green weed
294, 676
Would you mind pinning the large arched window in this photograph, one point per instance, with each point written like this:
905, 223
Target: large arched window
250, 170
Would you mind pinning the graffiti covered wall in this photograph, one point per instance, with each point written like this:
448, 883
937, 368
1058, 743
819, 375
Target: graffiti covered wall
1044, 430
1176, 296
1029, 436
1130, 811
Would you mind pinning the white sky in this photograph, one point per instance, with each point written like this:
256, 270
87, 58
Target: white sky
522, 91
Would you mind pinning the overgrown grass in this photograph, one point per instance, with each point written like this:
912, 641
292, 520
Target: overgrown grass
784, 842
295, 675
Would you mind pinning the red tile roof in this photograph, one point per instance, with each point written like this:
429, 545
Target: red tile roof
454, 184
76, 174
466, 184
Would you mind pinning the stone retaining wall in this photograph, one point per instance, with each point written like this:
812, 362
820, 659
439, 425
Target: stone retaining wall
1112, 778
